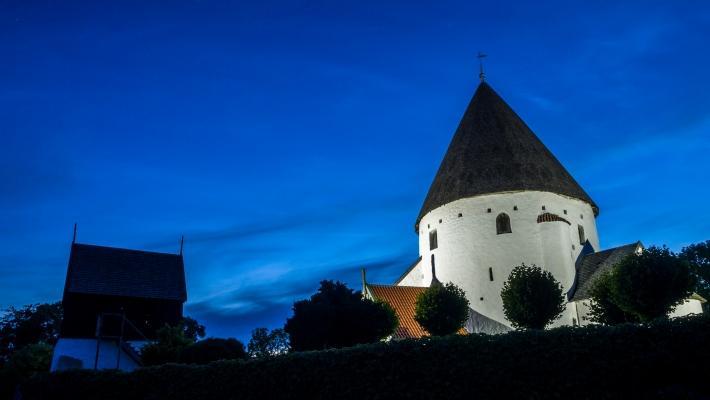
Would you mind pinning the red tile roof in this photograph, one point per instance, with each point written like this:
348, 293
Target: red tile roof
403, 299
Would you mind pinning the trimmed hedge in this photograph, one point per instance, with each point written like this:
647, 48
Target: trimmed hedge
667, 359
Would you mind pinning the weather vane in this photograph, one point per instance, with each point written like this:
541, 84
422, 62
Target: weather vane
481, 74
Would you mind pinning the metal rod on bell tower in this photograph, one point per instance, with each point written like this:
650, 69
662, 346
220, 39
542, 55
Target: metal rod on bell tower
182, 242
74, 237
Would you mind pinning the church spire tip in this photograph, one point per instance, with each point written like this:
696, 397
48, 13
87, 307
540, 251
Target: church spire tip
481, 74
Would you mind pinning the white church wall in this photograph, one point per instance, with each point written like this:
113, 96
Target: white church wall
468, 245
415, 277
689, 306
557, 259
81, 353
568, 317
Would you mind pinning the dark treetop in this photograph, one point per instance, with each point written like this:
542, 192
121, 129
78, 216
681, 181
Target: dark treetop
494, 151
122, 272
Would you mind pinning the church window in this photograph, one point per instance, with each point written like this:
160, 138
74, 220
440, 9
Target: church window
433, 241
490, 273
439, 221
564, 211
503, 224
580, 230
489, 210
460, 215
515, 208
543, 208
581, 216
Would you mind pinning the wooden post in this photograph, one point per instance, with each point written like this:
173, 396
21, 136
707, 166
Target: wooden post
120, 340
98, 341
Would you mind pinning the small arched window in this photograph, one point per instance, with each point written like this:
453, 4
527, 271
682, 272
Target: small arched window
580, 230
433, 240
503, 224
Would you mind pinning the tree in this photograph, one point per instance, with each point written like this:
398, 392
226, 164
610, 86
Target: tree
336, 316
192, 329
213, 349
24, 362
441, 309
32, 358
698, 255
30, 324
649, 285
603, 308
266, 344
171, 341
532, 298
168, 348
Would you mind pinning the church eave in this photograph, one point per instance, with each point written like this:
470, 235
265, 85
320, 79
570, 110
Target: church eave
595, 209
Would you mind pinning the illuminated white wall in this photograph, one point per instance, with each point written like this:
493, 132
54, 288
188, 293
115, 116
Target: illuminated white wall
468, 244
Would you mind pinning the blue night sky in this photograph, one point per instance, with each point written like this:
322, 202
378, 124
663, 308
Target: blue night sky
295, 141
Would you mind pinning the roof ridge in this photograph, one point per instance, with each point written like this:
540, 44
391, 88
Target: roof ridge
395, 286
126, 249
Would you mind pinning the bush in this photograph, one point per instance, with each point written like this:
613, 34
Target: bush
532, 298
698, 255
335, 317
23, 364
665, 359
603, 309
441, 309
213, 349
168, 348
31, 324
651, 284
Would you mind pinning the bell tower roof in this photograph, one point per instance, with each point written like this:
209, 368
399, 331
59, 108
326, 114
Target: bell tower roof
494, 151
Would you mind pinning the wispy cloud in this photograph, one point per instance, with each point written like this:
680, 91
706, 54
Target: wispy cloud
263, 291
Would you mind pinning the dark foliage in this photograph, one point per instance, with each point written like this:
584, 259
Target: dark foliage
441, 309
213, 349
267, 344
335, 317
698, 255
603, 309
172, 341
650, 284
26, 338
662, 360
192, 329
532, 298
30, 324
23, 364
168, 348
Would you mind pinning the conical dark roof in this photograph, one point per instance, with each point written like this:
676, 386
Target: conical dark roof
492, 151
